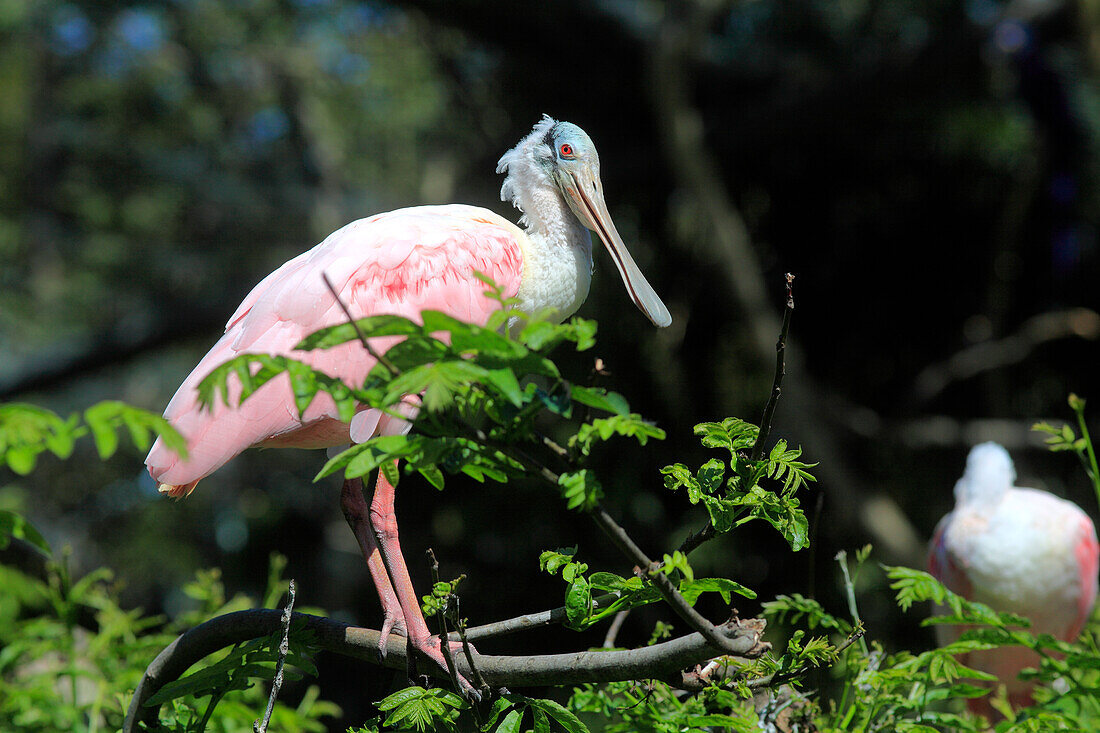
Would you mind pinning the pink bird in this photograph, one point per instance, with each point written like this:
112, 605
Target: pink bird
1017, 550
402, 262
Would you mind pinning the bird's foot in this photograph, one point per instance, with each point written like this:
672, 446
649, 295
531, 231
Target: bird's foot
431, 648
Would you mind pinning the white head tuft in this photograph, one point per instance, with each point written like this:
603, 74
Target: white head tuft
525, 165
989, 474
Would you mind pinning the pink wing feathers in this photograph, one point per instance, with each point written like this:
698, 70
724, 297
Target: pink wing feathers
399, 263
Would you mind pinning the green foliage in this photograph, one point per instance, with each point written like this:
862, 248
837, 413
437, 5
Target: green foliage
741, 498
70, 657
439, 599
654, 707
434, 709
481, 391
437, 710
584, 609
27, 431
1065, 439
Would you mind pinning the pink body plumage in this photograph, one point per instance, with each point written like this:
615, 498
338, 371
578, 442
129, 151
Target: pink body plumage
400, 263
1017, 550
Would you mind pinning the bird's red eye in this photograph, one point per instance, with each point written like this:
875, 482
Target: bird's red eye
566, 150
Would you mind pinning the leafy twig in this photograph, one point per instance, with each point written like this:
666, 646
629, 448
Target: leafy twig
695, 539
284, 649
444, 642
654, 572
613, 629
850, 591
1078, 406
778, 678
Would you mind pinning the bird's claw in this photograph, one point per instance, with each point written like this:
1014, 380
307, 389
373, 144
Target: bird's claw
390, 625
433, 650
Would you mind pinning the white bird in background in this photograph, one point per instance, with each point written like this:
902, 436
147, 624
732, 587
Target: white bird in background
1017, 550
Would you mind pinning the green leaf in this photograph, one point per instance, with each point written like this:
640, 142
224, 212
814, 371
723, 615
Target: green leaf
603, 428
98, 417
564, 717
601, 399
578, 603
692, 589
390, 471
433, 475
14, 525
511, 722
541, 721
21, 459
505, 381
581, 489
733, 434
371, 327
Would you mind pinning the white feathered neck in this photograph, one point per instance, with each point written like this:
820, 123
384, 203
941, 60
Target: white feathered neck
529, 186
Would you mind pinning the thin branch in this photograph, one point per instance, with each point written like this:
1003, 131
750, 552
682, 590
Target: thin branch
284, 649
530, 620
379, 357
444, 641
654, 573
468, 650
850, 593
695, 539
613, 629
662, 660
780, 372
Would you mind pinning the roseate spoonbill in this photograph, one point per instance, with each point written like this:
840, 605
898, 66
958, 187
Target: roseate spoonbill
403, 262
1017, 550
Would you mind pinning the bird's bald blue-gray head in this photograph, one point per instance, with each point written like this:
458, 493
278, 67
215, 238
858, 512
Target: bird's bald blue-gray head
565, 154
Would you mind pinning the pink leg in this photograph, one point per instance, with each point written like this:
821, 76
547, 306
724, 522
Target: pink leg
384, 521
357, 515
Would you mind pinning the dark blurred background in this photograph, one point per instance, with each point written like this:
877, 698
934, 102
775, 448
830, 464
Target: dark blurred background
927, 170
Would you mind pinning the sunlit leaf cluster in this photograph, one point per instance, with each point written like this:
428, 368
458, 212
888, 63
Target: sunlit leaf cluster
742, 496
27, 431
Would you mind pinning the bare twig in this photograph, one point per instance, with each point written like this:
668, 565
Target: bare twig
379, 357
468, 650
780, 372
284, 649
613, 629
530, 620
660, 660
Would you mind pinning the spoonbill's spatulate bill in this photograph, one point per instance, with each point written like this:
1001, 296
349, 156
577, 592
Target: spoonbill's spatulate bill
1017, 550
403, 262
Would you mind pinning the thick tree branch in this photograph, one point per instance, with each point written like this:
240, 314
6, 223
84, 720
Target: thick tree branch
660, 660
